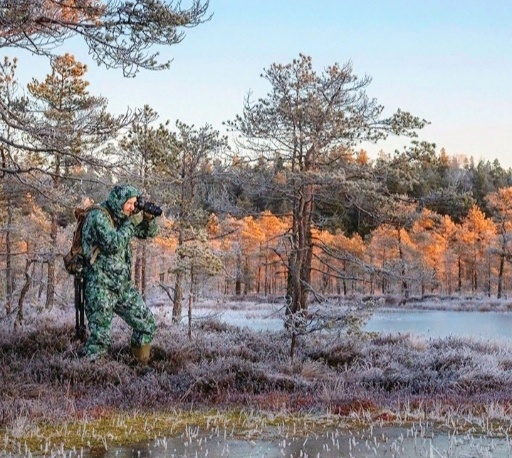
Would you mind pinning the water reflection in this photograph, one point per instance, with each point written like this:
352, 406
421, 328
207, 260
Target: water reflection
431, 323
442, 323
416, 441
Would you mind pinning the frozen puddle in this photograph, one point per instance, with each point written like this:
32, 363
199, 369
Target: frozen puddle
374, 442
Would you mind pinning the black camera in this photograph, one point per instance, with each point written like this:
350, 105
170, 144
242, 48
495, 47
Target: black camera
147, 207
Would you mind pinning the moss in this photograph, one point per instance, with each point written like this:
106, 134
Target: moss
104, 429
115, 428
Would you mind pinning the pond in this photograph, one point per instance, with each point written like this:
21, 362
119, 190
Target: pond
429, 323
443, 323
416, 441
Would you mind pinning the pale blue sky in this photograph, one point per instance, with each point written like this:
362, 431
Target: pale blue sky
449, 62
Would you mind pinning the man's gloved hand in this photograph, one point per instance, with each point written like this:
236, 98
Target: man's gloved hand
147, 216
136, 218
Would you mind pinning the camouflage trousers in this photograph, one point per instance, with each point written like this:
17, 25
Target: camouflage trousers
100, 306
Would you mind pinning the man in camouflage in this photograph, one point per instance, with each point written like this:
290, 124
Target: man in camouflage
106, 239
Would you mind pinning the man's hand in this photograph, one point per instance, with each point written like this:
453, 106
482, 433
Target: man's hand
136, 218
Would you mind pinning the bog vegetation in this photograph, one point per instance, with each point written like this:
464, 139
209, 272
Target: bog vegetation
242, 380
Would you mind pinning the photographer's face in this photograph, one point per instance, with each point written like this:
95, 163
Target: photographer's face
129, 206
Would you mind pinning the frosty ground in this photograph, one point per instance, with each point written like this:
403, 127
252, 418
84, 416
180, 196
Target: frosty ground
214, 373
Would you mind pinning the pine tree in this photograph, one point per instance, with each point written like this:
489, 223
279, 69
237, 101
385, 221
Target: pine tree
312, 122
119, 34
70, 125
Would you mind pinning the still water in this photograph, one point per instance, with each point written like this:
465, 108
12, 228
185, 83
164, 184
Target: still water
442, 323
429, 323
417, 442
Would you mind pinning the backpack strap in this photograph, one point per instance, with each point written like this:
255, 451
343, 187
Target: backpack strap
96, 249
95, 253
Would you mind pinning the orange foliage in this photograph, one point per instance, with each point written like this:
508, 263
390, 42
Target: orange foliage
476, 228
362, 157
66, 77
252, 235
500, 204
73, 11
272, 226
429, 240
434, 255
353, 245
384, 244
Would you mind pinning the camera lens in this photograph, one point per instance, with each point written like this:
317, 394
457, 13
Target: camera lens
148, 207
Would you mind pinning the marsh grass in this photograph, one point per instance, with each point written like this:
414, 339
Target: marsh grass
232, 378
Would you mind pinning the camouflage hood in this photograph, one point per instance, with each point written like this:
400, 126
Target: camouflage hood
117, 198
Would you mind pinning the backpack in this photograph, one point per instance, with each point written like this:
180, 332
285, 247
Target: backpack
74, 260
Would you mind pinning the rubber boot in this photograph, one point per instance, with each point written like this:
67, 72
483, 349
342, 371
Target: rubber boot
141, 354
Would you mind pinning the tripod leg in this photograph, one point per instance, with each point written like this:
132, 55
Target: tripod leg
81, 332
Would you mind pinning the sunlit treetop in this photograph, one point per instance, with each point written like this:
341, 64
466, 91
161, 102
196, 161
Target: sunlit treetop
118, 33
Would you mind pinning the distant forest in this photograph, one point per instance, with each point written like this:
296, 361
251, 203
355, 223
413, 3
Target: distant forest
286, 204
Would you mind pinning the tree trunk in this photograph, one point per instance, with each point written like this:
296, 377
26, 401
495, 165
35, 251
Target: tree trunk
266, 287
238, 275
177, 306
23, 293
405, 286
459, 275
191, 301
500, 276
344, 277
299, 261
247, 277
448, 276
489, 282
475, 276
9, 276
258, 280
50, 286
40, 280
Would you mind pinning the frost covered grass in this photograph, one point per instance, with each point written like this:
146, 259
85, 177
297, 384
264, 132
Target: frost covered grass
461, 384
460, 303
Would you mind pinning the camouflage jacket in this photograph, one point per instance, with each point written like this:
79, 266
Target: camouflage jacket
112, 236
